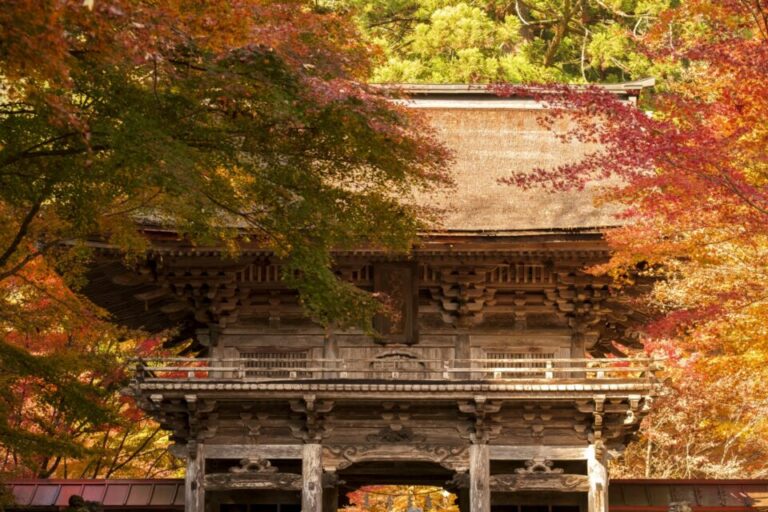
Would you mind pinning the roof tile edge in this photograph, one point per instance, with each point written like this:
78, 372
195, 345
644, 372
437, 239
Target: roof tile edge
633, 87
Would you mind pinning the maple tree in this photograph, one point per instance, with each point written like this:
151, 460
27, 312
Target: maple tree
692, 177
63, 367
231, 123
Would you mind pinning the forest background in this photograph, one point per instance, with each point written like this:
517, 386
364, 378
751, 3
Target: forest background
695, 171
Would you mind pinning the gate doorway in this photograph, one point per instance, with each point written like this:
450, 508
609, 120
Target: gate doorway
401, 498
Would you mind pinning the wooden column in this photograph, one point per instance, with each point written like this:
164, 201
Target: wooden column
194, 478
479, 478
597, 498
312, 478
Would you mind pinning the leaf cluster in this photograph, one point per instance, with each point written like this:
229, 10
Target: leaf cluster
519, 41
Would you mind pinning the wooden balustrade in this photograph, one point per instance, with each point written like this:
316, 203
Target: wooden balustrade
254, 370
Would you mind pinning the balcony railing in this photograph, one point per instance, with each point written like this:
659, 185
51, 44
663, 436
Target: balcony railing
412, 370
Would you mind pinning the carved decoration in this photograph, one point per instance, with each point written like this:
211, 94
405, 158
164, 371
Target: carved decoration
543, 482
253, 425
548, 482
393, 361
463, 293
598, 416
331, 480
536, 416
460, 480
312, 427
392, 435
254, 465
252, 480
485, 424
450, 457
538, 465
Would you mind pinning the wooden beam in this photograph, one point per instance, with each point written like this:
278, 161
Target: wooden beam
253, 481
312, 478
533, 452
479, 478
597, 498
194, 480
241, 451
539, 482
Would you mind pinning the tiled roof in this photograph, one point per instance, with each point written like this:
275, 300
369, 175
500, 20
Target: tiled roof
493, 143
110, 493
625, 495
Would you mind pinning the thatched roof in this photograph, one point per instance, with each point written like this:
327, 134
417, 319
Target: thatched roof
493, 137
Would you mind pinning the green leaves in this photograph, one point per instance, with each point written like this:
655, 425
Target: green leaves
530, 41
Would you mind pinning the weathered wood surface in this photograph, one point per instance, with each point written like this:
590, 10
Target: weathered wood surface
536, 451
343, 456
253, 481
479, 478
241, 451
597, 499
194, 480
540, 482
312, 476
532, 482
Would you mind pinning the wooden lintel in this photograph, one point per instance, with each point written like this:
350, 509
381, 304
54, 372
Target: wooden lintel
542, 482
536, 452
241, 451
252, 481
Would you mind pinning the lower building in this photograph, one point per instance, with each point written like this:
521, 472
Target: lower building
624, 496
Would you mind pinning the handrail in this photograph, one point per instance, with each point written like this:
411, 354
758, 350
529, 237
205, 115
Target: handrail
265, 369
421, 360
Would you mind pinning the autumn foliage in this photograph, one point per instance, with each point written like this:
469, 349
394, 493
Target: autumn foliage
693, 183
227, 121
401, 498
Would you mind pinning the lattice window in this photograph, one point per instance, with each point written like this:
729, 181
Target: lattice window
271, 364
527, 360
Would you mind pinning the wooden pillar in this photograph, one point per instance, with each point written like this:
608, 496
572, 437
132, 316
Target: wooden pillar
194, 478
312, 478
597, 498
479, 478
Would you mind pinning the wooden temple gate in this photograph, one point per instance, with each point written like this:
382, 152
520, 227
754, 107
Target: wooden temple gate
501, 378
321, 425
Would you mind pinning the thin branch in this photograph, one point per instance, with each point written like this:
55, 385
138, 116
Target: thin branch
22, 232
133, 455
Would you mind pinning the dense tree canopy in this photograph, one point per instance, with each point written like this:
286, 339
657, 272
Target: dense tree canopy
249, 121
694, 177
230, 122
509, 40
